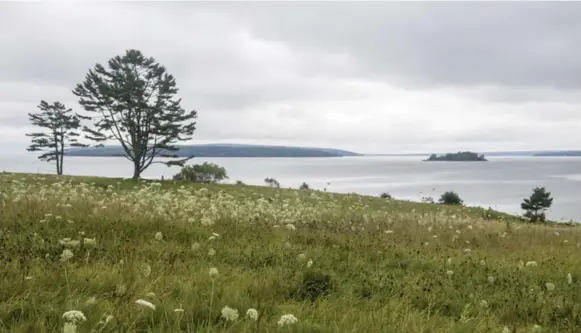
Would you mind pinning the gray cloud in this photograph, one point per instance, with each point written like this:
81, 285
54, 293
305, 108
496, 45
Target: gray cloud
372, 77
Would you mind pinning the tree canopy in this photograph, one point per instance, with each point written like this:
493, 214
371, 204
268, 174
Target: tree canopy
133, 101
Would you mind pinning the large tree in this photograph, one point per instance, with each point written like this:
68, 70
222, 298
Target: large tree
60, 132
134, 102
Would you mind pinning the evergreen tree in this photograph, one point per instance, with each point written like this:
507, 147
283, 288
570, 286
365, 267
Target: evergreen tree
134, 102
536, 205
60, 133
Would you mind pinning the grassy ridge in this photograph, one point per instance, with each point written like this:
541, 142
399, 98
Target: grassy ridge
338, 263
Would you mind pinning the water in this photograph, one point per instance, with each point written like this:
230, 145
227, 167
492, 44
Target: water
501, 183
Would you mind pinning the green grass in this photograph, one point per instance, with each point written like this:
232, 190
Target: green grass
377, 265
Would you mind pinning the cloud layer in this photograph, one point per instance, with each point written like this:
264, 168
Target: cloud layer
373, 77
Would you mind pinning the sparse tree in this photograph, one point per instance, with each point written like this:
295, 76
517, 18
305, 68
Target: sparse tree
536, 205
385, 195
60, 132
134, 102
271, 182
304, 186
202, 173
450, 198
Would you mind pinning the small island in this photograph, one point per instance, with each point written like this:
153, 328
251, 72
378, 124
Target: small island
465, 156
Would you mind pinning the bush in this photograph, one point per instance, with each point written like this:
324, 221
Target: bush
385, 195
304, 186
271, 182
202, 173
450, 198
536, 205
239, 182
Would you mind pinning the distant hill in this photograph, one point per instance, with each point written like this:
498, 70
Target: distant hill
560, 153
224, 150
465, 156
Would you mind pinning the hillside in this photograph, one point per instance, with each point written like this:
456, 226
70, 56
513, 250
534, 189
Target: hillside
164, 257
225, 150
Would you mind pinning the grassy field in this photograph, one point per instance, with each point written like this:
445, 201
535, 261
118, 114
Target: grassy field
154, 257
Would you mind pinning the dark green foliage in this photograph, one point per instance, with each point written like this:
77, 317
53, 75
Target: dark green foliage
385, 195
313, 286
134, 102
239, 182
272, 182
60, 124
304, 186
202, 173
536, 205
450, 198
460, 156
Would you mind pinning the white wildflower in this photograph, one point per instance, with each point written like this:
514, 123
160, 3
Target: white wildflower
468, 252
211, 252
531, 264
287, 319
66, 255
150, 295
196, 246
291, 227
550, 286
213, 272
482, 263
91, 301
484, 303
146, 270
70, 328
302, 256
158, 236
491, 279
388, 232
206, 221
505, 330
90, 241
569, 278
536, 329
120, 290
310, 263
252, 314
449, 261
449, 273
229, 314
178, 310
145, 304
74, 316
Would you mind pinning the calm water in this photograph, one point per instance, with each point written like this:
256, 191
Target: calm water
501, 183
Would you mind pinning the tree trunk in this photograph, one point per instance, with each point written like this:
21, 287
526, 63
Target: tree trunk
136, 171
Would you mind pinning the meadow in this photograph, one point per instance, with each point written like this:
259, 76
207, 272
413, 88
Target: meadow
109, 255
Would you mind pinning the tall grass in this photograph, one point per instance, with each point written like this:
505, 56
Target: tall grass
152, 257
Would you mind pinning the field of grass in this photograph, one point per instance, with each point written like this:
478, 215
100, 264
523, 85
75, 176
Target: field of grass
164, 257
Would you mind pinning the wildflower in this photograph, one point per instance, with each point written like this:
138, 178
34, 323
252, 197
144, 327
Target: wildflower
569, 278
252, 314
206, 221
196, 246
28, 277
291, 227
550, 286
150, 294
287, 319
158, 236
178, 310
287, 245
66, 255
302, 257
43, 221
484, 303
211, 238
90, 241
70, 328
211, 252
388, 232
108, 318
468, 252
491, 279
531, 264
310, 263
58, 217
229, 314
482, 263
536, 328
146, 270
145, 304
458, 232
74, 316
449, 273
505, 330
91, 301
213, 272
449, 261
120, 290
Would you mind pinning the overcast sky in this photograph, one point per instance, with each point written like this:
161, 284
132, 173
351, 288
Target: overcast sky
374, 77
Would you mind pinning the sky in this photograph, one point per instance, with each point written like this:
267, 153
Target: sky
375, 77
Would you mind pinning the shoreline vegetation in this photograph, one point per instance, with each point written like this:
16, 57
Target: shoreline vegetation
465, 156
111, 255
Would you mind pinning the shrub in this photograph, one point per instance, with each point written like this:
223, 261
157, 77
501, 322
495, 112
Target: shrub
450, 198
536, 205
304, 186
239, 182
271, 182
202, 173
385, 195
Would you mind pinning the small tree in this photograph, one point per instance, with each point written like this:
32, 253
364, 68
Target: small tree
202, 173
536, 205
304, 186
385, 195
271, 182
450, 198
60, 133
134, 102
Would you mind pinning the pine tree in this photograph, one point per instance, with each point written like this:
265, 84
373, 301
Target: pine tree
134, 102
61, 126
536, 205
